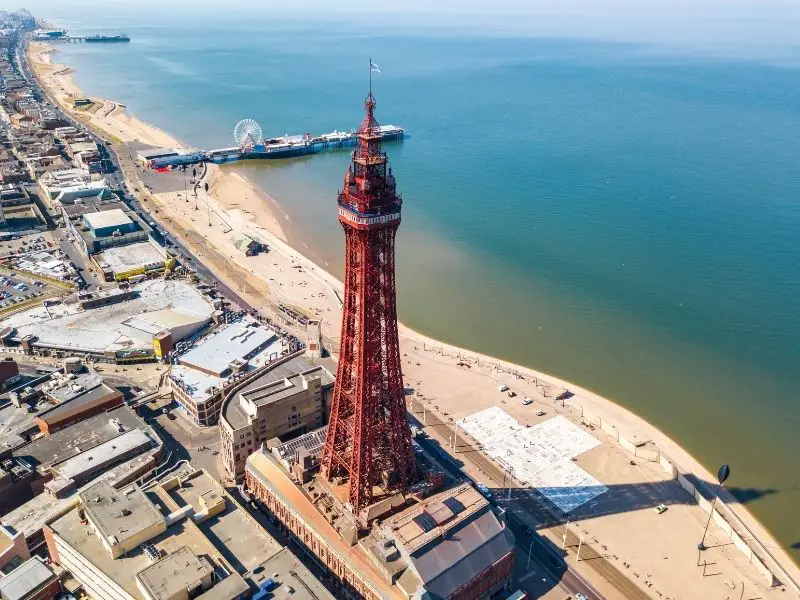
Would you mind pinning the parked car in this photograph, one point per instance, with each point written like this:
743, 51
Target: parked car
487, 493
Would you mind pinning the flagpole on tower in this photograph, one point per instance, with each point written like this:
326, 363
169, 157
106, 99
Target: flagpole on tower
370, 75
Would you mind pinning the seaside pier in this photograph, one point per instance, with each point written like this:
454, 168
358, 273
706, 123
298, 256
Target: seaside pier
251, 144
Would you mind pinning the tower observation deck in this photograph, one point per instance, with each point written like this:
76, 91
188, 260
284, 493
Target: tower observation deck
368, 440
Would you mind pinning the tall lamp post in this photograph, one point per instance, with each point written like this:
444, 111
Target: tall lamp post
722, 475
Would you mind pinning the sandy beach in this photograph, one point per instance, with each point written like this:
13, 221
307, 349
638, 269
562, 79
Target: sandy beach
450, 382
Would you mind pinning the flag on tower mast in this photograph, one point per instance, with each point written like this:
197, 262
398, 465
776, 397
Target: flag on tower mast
376, 69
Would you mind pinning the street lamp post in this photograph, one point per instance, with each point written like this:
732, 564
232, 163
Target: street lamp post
722, 475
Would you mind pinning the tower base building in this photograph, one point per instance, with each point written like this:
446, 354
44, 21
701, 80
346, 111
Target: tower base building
440, 539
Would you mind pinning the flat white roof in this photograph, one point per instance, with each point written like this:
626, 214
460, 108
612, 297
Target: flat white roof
104, 328
540, 456
236, 340
104, 453
132, 256
115, 217
160, 320
195, 383
25, 579
149, 153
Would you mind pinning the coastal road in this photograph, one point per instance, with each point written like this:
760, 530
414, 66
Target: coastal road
116, 180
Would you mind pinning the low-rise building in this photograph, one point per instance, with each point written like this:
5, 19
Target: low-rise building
17, 208
184, 538
449, 545
145, 155
122, 332
32, 580
97, 224
200, 376
283, 401
62, 187
76, 398
122, 262
13, 549
75, 455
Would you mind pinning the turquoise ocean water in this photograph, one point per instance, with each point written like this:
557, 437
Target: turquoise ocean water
623, 216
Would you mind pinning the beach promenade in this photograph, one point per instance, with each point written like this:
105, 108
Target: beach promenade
628, 549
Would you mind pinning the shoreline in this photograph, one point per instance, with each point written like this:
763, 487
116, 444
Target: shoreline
262, 213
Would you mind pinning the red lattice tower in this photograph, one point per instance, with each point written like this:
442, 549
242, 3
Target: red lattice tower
368, 440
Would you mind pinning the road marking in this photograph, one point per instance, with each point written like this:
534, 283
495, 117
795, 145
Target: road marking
529, 575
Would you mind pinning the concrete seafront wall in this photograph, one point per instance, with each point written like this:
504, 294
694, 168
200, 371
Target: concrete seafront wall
733, 527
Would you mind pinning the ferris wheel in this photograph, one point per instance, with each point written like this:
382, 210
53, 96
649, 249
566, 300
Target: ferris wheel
247, 133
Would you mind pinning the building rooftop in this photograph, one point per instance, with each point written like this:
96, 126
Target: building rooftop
436, 545
114, 217
13, 423
104, 328
27, 578
119, 515
86, 396
239, 340
123, 569
233, 412
83, 147
29, 518
209, 532
103, 455
240, 539
80, 437
132, 256
424, 522
292, 580
148, 153
68, 389
181, 570
267, 471
195, 383
92, 205
274, 391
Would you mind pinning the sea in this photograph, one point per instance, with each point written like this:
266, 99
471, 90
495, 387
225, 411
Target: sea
621, 213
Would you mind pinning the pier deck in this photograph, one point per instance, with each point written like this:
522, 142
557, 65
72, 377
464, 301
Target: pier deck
274, 148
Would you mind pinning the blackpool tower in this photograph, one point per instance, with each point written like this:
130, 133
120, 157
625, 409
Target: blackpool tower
368, 441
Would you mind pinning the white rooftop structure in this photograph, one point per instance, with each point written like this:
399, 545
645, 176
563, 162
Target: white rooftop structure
540, 456
237, 341
45, 263
195, 383
132, 256
114, 450
107, 328
107, 218
24, 581
69, 185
